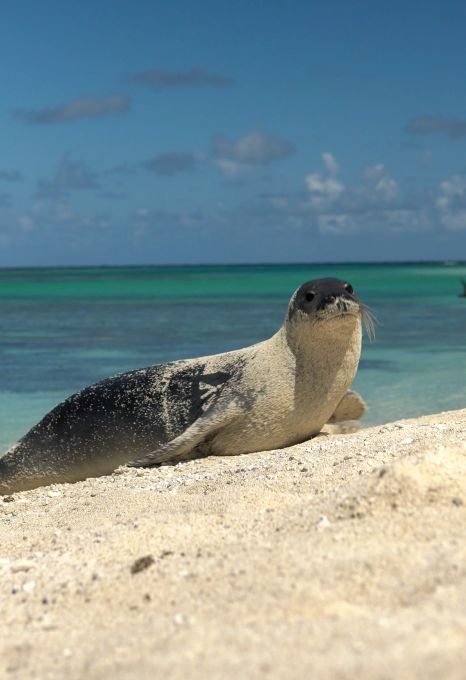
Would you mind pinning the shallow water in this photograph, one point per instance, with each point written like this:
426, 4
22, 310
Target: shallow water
63, 329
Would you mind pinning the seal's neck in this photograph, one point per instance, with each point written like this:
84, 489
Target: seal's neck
323, 351
325, 355
333, 336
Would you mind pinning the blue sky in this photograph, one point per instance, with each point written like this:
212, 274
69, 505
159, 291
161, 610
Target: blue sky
145, 132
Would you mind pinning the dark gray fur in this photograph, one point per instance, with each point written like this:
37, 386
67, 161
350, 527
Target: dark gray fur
112, 422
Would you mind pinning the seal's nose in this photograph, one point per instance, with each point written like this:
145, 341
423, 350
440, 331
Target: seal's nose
329, 298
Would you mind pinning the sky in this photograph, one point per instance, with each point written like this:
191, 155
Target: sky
213, 132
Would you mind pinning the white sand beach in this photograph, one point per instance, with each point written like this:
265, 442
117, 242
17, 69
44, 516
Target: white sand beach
342, 557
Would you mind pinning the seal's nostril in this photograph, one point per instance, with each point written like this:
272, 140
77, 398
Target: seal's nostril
329, 298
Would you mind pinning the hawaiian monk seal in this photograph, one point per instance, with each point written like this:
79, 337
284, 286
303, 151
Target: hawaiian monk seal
270, 395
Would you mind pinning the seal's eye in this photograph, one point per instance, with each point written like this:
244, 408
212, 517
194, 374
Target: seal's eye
349, 288
310, 296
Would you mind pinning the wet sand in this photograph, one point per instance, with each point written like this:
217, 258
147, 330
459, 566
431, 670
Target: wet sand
342, 557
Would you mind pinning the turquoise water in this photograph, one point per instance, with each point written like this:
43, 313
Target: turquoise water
63, 329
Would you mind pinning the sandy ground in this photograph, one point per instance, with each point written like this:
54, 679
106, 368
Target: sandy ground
343, 557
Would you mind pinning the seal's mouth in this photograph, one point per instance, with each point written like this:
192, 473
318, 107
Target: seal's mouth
336, 315
339, 306
333, 315
342, 307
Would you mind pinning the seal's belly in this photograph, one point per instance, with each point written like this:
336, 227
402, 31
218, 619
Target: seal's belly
286, 413
259, 430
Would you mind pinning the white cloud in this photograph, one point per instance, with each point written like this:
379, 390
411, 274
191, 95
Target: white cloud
330, 163
453, 192
382, 219
335, 224
380, 182
254, 148
324, 191
95, 221
452, 203
232, 169
403, 219
455, 220
372, 204
329, 194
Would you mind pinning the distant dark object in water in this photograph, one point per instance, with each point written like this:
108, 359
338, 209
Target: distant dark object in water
463, 294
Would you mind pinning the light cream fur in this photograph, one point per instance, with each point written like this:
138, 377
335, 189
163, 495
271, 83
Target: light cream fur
291, 385
302, 376
351, 407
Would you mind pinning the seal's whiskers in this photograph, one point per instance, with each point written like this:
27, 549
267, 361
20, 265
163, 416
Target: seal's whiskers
370, 321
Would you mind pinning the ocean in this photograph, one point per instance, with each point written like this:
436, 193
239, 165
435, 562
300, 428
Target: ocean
64, 328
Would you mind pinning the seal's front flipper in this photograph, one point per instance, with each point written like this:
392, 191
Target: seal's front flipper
351, 407
206, 425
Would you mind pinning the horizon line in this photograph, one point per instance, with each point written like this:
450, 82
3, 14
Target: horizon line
446, 262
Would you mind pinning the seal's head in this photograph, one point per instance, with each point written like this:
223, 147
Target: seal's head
324, 299
326, 312
321, 301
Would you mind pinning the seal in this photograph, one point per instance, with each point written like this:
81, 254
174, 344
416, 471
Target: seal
270, 395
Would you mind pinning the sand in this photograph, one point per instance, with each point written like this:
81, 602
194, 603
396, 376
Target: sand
342, 557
